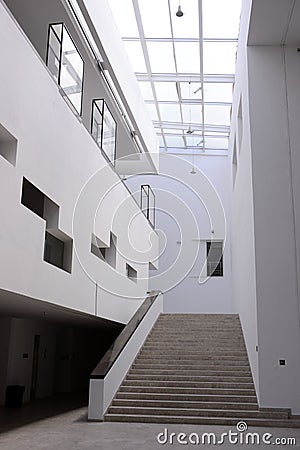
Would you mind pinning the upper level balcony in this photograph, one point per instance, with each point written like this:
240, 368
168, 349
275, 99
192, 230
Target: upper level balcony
89, 64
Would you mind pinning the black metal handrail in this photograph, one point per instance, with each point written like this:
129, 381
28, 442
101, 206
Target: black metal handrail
114, 351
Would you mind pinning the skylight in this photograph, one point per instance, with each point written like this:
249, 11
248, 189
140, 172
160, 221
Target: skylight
185, 67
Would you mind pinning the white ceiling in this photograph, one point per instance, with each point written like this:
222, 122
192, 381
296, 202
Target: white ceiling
274, 22
17, 305
185, 67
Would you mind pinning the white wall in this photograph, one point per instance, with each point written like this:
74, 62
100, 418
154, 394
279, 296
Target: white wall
276, 271
265, 217
242, 222
57, 154
186, 212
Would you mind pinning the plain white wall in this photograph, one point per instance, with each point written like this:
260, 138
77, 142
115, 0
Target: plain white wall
183, 224
276, 271
242, 222
265, 216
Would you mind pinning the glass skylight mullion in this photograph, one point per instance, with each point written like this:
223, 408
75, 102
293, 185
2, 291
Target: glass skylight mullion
200, 7
174, 52
145, 51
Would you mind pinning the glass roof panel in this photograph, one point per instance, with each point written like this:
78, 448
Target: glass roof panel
174, 141
217, 115
186, 26
172, 131
170, 113
161, 141
216, 143
161, 57
166, 91
187, 57
146, 90
219, 57
125, 18
155, 18
136, 57
224, 23
192, 113
180, 60
190, 91
194, 140
218, 92
152, 111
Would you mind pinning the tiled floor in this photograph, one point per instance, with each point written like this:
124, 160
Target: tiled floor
71, 431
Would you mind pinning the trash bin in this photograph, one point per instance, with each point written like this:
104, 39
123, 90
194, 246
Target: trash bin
14, 396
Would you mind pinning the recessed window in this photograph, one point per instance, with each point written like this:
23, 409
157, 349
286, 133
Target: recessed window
58, 246
148, 203
33, 198
104, 129
65, 63
40, 204
131, 273
214, 254
106, 253
58, 252
8, 145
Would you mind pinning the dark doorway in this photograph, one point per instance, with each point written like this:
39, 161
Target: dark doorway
35, 363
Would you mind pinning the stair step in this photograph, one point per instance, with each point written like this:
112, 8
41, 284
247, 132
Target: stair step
289, 423
212, 348
192, 367
179, 404
219, 398
197, 412
188, 384
187, 390
196, 378
203, 360
198, 371
193, 354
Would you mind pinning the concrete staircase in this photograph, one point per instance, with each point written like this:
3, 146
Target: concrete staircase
193, 369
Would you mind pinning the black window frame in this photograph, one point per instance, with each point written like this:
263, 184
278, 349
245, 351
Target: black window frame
147, 189
64, 27
101, 112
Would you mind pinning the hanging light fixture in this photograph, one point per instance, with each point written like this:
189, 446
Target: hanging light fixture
190, 130
193, 171
179, 12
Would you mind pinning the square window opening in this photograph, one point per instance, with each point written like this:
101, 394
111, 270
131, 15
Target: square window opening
214, 255
131, 273
8, 145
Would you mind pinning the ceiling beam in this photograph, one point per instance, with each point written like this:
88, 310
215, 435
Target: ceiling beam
185, 78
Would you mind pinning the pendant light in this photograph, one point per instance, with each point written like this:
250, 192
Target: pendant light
179, 12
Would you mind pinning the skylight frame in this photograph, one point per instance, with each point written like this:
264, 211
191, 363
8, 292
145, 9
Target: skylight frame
177, 77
